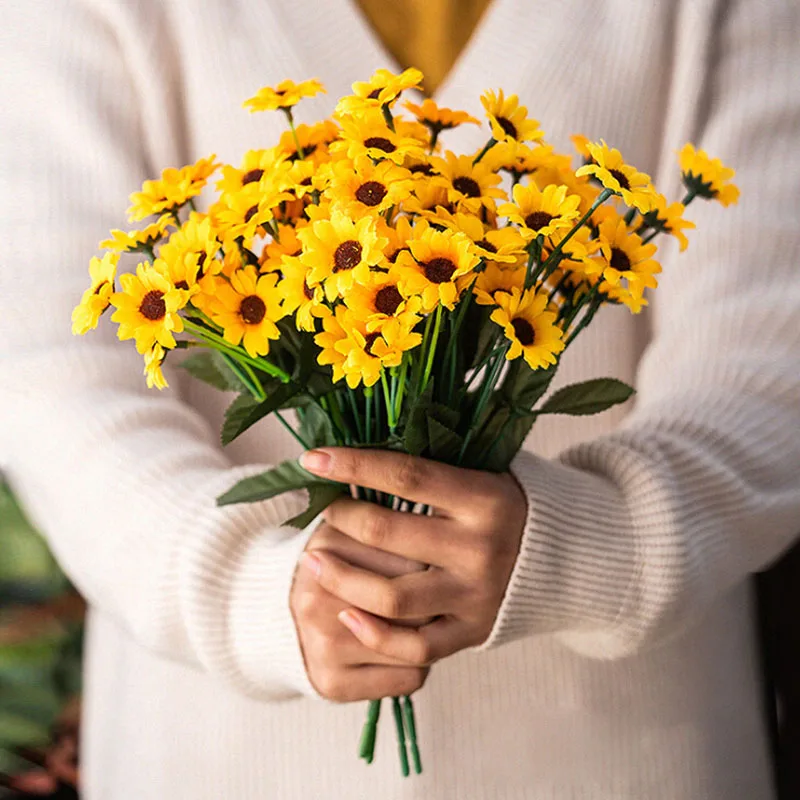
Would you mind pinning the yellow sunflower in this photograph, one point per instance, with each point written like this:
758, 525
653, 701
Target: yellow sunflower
368, 134
363, 187
268, 166
469, 186
541, 213
153, 359
340, 252
438, 118
608, 166
669, 218
139, 241
287, 244
190, 253
529, 325
242, 214
382, 299
437, 259
581, 144
368, 352
285, 95
629, 266
383, 88
428, 199
707, 177
306, 301
496, 278
172, 190
397, 236
503, 245
147, 308
509, 120
247, 309
313, 139
521, 159
97, 297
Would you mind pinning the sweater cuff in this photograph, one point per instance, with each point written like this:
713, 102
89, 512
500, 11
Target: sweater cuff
263, 631
576, 562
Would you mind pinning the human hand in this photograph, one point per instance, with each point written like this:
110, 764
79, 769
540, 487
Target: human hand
339, 666
471, 545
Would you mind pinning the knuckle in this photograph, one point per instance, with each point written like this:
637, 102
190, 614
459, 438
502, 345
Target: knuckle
393, 603
410, 474
375, 527
414, 681
329, 685
421, 652
304, 603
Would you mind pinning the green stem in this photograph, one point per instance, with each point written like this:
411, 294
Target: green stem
432, 349
326, 406
602, 197
690, 195
401, 736
302, 442
368, 422
289, 116
337, 414
366, 747
585, 320
411, 730
481, 365
401, 387
222, 345
387, 116
589, 298
351, 396
416, 377
486, 148
388, 400
434, 138
534, 258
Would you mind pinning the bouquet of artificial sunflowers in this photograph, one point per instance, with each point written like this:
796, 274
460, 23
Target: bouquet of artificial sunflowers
390, 293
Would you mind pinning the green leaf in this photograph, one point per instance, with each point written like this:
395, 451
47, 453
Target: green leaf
416, 430
444, 444
284, 478
589, 397
523, 386
319, 498
316, 427
211, 367
246, 410
500, 440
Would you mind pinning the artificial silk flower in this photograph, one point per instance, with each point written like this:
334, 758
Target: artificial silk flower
707, 177
438, 118
175, 188
529, 325
383, 88
153, 359
368, 135
669, 218
97, 297
247, 308
306, 301
147, 308
381, 299
139, 241
283, 96
364, 187
541, 213
608, 166
508, 119
470, 186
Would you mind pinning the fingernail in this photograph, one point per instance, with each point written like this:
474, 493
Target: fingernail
350, 620
316, 461
311, 562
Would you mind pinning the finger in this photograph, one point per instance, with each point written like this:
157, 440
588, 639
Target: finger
431, 540
370, 683
418, 595
451, 489
418, 646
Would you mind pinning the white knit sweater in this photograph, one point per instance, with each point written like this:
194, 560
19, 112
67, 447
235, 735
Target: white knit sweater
622, 665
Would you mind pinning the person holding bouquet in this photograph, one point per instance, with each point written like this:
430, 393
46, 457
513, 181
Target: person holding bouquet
584, 626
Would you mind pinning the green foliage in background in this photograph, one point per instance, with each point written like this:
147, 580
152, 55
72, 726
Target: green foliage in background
40, 638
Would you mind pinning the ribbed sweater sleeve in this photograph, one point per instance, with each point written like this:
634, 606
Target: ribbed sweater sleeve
630, 537
122, 480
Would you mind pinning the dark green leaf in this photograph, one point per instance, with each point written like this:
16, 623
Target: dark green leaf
284, 478
500, 440
209, 366
523, 386
444, 444
246, 410
319, 498
316, 427
589, 397
416, 432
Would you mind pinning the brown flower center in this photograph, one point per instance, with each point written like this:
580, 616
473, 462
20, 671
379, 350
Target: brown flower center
508, 126
621, 178
538, 220
252, 309
201, 260
393, 256
387, 300
374, 94
619, 260
371, 193
182, 285
425, 169
347, 255
380, 143
252, 177
523, 330
153, 306
467, 186
251, 212
484, 245
308, 291
369, 341
439, 270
